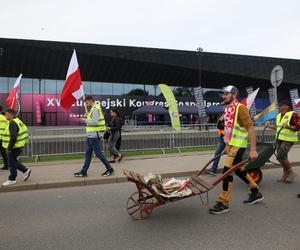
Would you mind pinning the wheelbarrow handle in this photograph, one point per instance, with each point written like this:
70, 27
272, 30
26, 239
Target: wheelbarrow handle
229, 172
208, 163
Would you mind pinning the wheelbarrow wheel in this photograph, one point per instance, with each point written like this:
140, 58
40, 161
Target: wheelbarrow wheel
256, 175
140, 205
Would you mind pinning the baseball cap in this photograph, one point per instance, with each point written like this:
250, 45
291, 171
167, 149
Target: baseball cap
285, 102
230, 89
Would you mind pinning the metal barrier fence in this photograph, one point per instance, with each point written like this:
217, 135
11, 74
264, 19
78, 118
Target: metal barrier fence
46, 142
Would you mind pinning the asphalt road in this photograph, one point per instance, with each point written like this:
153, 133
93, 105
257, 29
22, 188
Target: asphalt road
94, 217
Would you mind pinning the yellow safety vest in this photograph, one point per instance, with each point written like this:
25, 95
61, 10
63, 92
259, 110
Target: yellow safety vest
100, 127
3, 124
22, 137
239, 134
286, 134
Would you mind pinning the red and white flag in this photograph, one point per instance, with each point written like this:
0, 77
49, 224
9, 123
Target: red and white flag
248, 101
73, 89
297, 102
11, 100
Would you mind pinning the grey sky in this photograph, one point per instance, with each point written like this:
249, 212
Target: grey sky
267, 28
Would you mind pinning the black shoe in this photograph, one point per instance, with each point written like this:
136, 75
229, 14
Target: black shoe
254, 197
80, 174
108, 172
4, 168
298, 195
219, 208
211, 172
112, 161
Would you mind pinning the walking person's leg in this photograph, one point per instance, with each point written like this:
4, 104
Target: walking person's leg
12, 163
4, 157
95, 142
112, 141
87, 161
119, 141
282, 154
220, 148
20, 166
225, 195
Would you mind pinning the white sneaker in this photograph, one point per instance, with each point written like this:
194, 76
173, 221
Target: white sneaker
8, 183
27, 174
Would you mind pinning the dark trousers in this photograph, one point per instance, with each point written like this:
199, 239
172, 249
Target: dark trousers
118, 144
3, 154
93, 144
14, 164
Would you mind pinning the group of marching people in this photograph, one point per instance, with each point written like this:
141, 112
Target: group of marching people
14, 136
235, 127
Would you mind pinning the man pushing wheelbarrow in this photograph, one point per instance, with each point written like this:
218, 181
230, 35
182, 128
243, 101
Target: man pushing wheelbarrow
238, 128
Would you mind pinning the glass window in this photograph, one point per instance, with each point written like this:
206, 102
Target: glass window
96, 88
11, 82
128, 87
36, 86
50, 87
3, 84
59, 86
26, 86
118, 89
107, 88
86, 88
150, 89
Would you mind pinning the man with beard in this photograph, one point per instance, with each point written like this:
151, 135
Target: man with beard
238, 128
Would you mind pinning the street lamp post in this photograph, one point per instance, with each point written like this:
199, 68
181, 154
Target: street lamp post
200, 50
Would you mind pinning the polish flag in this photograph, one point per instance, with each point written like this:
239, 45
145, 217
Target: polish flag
73, 89
248, 101
297, 102
11, 100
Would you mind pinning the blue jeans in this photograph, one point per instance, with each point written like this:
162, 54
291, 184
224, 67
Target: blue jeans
220, 147
14, 164
93, 144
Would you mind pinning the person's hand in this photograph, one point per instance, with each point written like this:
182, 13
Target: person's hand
267, 125
285, 126
253, 155
108, 128
226, 150
83, 120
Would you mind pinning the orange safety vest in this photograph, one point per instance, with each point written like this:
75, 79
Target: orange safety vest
221, 132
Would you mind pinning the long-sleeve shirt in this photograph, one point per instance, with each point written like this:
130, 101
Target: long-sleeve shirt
94, 121
14, 130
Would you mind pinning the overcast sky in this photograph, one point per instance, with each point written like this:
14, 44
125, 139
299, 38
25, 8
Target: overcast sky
256, 27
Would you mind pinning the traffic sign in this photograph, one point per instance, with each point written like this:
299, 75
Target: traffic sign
276, 76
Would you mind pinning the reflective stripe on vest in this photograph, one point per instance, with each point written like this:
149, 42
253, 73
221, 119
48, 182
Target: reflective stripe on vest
239, 134
22, 137
100, 127
3, 124
286, 134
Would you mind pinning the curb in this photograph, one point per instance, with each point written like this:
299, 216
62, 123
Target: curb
99, 181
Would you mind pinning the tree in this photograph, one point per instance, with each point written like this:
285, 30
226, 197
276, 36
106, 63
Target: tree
138, 92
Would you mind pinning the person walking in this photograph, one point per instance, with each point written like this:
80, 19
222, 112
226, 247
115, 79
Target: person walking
238, 127
14, 139
3, 124
287, 127
95, 127
115, 134
220, 147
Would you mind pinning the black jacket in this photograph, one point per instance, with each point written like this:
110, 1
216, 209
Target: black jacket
14, 130
115, 125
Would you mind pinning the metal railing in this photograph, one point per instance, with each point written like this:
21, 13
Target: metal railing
47, 142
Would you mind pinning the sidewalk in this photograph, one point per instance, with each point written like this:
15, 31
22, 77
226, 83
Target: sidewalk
47, 175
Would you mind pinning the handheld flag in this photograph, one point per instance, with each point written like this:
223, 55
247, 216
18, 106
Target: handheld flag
173, 108
297, 102
72, 90
248, 101
11, 100
268, 114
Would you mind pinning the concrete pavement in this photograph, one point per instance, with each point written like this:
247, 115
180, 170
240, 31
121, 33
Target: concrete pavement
47, 175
